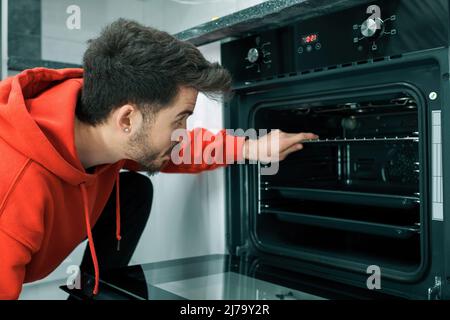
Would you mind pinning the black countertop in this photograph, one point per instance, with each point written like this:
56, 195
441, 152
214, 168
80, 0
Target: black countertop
267, 14
214, 277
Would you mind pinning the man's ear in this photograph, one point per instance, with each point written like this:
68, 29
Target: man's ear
127, 117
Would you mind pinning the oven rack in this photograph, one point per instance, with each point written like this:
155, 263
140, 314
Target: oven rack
378, 229
349, 140
337, 196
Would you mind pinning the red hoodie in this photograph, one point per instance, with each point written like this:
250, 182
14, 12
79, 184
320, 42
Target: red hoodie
48, 203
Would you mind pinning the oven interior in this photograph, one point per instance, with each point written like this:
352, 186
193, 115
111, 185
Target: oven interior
352, 195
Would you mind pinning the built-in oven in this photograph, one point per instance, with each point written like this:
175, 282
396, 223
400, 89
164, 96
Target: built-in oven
364, 205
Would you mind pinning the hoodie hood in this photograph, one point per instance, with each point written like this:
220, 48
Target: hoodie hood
37, 118
45, 135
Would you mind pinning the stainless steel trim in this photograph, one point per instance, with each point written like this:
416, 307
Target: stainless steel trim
437, 179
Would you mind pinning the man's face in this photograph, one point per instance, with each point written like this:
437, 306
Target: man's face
151, 146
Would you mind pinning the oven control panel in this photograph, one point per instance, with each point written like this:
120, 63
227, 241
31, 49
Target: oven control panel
356, 35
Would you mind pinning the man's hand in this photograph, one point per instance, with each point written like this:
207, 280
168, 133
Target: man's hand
275, 146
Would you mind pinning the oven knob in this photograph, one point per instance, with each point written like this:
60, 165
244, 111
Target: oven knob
253, 55
372, 28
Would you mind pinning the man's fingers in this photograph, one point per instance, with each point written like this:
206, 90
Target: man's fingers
299, 137
291, 149
289, 139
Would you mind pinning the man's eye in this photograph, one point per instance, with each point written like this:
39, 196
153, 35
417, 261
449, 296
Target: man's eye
181, 122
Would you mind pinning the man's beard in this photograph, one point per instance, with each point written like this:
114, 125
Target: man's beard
140, 150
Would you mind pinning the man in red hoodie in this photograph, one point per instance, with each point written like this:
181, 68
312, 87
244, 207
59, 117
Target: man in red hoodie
66, 134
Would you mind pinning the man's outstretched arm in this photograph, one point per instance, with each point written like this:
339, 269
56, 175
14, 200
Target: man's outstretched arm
202, 150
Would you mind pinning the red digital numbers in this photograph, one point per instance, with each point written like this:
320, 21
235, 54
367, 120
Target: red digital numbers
310, 38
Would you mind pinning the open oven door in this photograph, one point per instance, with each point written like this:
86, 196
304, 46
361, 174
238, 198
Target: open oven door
358, 200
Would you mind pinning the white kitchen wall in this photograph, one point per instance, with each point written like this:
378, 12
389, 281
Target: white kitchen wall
60, 43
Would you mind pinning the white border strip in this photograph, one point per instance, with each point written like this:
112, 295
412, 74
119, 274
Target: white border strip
4, 39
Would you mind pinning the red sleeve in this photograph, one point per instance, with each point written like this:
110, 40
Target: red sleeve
22, 224
205, 151
14, 257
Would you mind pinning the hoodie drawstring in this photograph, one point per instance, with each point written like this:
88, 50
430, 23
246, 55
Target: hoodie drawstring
89, 231
90, 238
118, 213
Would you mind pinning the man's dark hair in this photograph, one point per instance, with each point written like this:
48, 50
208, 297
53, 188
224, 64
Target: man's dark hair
139, 65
